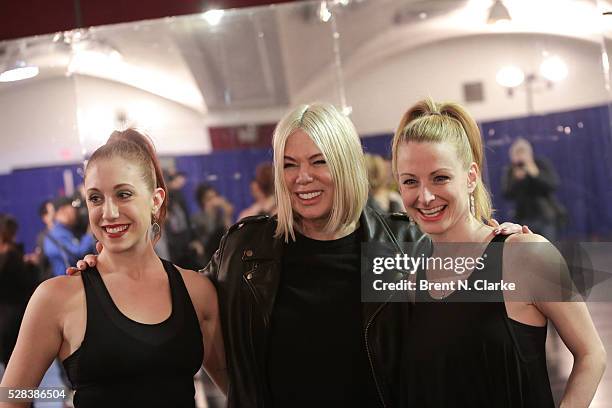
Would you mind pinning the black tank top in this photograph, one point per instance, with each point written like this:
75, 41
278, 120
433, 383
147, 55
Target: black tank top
125, 363
471, 354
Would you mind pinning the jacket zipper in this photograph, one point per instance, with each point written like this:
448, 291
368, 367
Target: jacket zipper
367, 344
255, 297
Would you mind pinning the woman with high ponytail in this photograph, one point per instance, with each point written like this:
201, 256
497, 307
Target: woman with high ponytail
134, 329
428, 121
475, 340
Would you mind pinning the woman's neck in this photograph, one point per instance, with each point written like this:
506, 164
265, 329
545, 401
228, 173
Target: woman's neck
135, 262
467, 230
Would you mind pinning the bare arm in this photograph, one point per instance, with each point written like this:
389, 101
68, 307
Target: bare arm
39, 341
571, 319
573, 322
204, 298
214, 350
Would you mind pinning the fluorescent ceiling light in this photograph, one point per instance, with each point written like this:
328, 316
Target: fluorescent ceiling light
19, 73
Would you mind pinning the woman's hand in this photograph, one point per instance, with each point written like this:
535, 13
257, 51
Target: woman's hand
508, 228
89, 261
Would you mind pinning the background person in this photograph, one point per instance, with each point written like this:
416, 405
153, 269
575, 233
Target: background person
17, 282
178, 228
60, 244
211, 222
262, 190
46, 213
381, 196
531, 183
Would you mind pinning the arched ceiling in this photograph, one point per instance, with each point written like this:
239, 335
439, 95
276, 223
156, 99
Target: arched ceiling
268, 57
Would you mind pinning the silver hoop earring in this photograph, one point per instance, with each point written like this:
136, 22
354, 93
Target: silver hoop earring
155, 229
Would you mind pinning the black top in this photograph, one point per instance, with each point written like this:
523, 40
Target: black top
316, 354
471, 354
125, 363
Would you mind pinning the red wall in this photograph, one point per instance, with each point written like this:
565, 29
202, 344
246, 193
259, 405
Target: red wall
23, 18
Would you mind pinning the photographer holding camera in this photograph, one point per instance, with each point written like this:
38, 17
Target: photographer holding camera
531, 183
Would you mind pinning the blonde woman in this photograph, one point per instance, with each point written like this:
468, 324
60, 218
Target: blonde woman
463, 351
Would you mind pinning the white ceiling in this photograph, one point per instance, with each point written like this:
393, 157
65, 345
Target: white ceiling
267, 57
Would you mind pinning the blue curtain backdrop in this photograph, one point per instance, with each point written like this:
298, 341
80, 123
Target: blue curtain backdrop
23, 191
578, 143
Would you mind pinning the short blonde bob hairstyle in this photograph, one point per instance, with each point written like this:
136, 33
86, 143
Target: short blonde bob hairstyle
447, 122
336, 137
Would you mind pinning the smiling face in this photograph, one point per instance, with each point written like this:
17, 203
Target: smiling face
308, 181
120, 203
435, 186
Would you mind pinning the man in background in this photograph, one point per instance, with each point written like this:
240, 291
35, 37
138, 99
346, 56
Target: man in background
178, 230
61, 246
46, 212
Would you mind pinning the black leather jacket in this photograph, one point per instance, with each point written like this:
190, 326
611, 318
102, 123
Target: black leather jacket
246, 271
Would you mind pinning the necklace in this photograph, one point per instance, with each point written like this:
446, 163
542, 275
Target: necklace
447, 287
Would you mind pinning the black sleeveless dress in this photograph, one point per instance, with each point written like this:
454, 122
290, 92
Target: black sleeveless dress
129, 364
471, 354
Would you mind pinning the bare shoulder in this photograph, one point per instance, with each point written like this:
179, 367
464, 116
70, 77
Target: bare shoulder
59, 288
538, 264
202, 292
526, 254
197, 281
55, 296
526, 248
